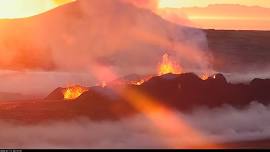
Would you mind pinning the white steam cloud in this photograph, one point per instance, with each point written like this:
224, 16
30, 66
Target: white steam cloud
103, 39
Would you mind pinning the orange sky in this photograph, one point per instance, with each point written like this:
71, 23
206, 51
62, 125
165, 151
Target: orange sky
216, 14
204, 3
26, 8
229, 17
223, 14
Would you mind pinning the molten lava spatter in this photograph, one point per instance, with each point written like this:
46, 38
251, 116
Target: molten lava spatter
205, 76
168, 66
208, 74
74, 92
138, 82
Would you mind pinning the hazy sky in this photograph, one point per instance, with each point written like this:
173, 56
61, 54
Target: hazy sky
240, 16
26, 8
204, 3
223, 14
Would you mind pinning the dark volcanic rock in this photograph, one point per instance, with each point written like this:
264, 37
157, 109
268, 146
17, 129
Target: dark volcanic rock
101, 105
261, 90
179, 91
57, 94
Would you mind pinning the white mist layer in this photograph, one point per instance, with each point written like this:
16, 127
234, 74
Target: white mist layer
224, 124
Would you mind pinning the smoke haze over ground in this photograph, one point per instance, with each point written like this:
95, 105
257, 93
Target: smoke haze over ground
82, 44
82, 37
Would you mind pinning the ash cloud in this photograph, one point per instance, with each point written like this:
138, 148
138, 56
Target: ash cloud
221, 125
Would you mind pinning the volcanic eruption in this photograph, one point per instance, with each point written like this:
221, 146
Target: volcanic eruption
168, 66
73, 92
119, 68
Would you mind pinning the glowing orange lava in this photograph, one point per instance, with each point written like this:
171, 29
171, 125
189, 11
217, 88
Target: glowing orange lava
168, 66
103, 84
205, 76
74, 92
138, 82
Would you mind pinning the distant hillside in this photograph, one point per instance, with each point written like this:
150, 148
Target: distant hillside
6, 96
239, 50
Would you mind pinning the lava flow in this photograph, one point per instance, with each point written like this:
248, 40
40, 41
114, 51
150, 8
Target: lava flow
205, 76
73, 92
168, 66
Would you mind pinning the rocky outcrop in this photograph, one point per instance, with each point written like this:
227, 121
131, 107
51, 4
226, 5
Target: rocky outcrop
180, 91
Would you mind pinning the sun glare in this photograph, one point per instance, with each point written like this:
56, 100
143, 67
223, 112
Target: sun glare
169, 4
10, 9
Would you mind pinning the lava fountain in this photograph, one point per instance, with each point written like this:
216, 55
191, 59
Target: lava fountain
73, 92
168, 66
